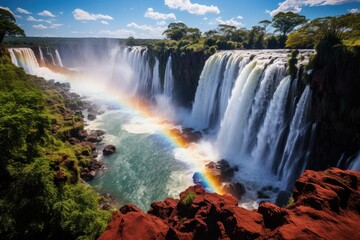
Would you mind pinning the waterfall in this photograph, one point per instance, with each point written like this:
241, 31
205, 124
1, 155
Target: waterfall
134, 62
269, 135
254, 111
50, 55
355, 164
156, 84
58, 58
293, 162
206, 93
41, 55
25, 58
168, 79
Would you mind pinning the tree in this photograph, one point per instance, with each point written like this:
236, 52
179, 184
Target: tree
264, 24
256, 38
345, 27
240, 35
193, 34
130, 41
8, 25
286, 23
227, 30
211, 34
176, 31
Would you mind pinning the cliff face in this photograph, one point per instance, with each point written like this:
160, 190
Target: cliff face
187, 68
326, 206
336, 104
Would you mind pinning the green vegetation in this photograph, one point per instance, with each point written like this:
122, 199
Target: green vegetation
188, 199
291, 201
185, 39
41, 196
346, 28
286, 23
8, 25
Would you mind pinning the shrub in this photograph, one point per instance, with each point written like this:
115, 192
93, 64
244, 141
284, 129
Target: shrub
188, 199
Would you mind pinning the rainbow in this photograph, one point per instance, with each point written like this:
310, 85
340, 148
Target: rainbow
166, 131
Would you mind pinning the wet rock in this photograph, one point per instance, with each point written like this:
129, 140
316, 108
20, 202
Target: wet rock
98, 133
282, 198
82, 134
109, 149
106, 206
220, 171
92, 115
74, 141
93, 139
262, 194
236, 189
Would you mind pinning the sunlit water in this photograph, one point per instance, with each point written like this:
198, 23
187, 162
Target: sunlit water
144, 168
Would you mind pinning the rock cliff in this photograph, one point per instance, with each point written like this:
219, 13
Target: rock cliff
326, 206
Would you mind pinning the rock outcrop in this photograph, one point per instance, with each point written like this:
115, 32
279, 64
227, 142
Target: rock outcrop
335, 105
109, 149
326, 206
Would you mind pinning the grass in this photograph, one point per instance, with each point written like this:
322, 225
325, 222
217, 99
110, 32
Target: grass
188, 199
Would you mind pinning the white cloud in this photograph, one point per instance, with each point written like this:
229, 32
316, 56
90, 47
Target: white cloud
56, 25
104, 22
354, 10
32, 19
148, 31
82, 15
61, 13
193, 8
101, 16
205, 18
23, 11
158, 16
231, 22
39, 26
46, 13
296, 5
239, 17
161, 23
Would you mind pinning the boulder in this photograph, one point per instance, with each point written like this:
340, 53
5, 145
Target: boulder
93, 139
220, 171
109, 149
92, 115
326, 206
236, 189
282, 198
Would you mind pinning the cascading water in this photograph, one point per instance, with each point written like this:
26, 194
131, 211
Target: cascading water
296, 150
245, 98
168, 79
58, 58
135, 61
50, 55
156, 88
25, 58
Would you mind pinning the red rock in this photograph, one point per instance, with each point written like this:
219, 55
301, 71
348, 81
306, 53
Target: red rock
163, 209
135, 225
326, 206
129, 208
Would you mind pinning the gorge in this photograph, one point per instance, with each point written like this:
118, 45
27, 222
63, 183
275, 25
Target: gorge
250, 111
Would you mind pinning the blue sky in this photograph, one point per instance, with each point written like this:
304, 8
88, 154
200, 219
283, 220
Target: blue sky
149, 18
